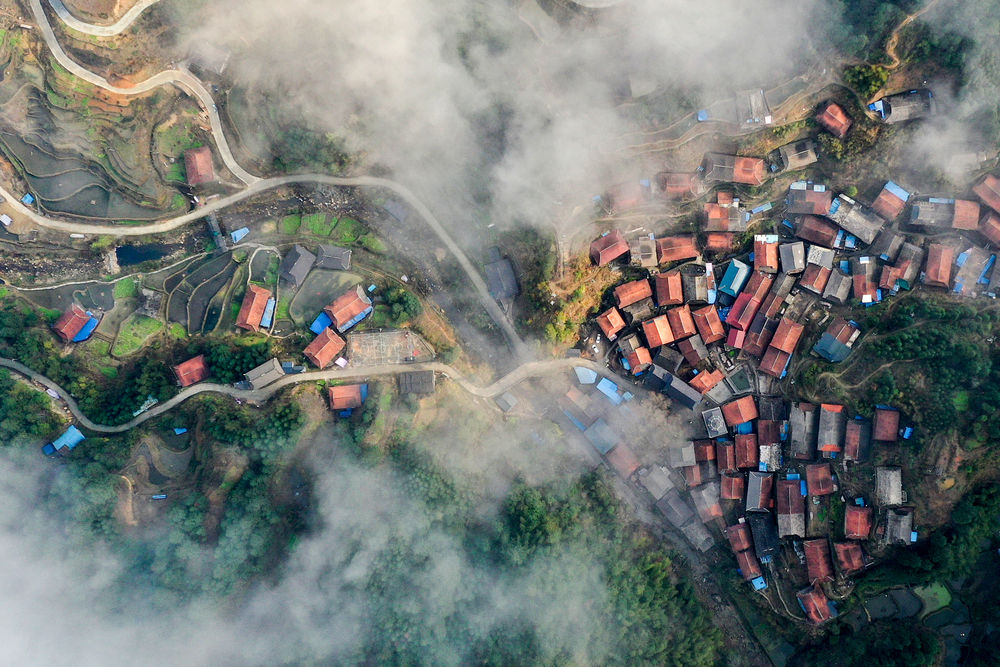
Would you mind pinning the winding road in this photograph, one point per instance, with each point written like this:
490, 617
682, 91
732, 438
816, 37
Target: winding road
118, 27
518, 375
255, 185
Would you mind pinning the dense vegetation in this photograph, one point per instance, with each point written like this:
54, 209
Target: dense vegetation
227, 360
23, 411
866, 79
867, 24
404, 306
299, 149
887, 644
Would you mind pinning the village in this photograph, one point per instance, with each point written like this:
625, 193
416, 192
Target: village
806, 495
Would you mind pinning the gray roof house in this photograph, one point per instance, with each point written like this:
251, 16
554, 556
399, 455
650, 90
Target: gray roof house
296, 266
899, 526
672, 506
793, 257
500, 279
889, 485
855, 220
333, 257
802, 430
715, 424
416, 382
268, 372
838, 288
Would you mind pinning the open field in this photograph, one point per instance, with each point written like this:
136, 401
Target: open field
133, 334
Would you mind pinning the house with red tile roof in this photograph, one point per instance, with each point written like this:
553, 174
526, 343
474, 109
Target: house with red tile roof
623, 460
669, 288
819, 479
733, 487
191, 371
693, 349
719, 242
774, 362
657, 331
937, 270
818, 562
739, 537
759, 285
966, 215
608, 247
886, 425
324, 348
786, 337
349, 308
638, 359
344, 397
725, 456
72, 321
748, 564
681, 322
850, 557
815, 229
815, 604
611, 322
815, 278
672, 185
742, 312
857, 522
746, 450
989, 191
675, 248
718, 167
740, 411
708, 324
890, 201
809, 200
834, 119
765, 253
736, 338
791, 509
989, 227
857, 440
633, 292
198, 166
704, 382
759, 334
252, 308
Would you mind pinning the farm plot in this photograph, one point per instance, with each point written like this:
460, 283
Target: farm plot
133, 334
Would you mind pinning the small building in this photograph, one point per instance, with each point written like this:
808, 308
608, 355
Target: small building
642, 252
65, 443
715, 423
739, 537
324, 348
937, 270
709, 324
899, 526
267, 373
632, 292
793, 257
75, 325
989, 191
673, 507
751, 109
693, 349
626, 196
834, 119
838, 287
886, 424
611, 323
420, 383
832, 423
675, 249
802, 421
719, 242
695, 288
765, 534
887, 244
346, 397
333, 258
735, 277
855, 220
836, 342
857, 440
989, 227
198, 166
817, 230
623, 460
191, 371
783, 344
253, 306
608, 247
500, 279
725, 214
791, 509
850, 557
746, 450
681, 391
349, 308
909, 105
748, 564
295, 267
888, 486
818, 563
681, 322
857, 522
819, 479
815, 604
815, 278
718, 167
891, 201
669, 288
673, 185
733, 487
705, 381
808, 199
796, 155
760, 487
765, 253
725, 456
706, 501
740, 411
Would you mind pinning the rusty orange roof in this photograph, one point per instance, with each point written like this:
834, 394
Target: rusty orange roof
966, 215
834, 119
739, 411
773, 362
989, 191
345, 308
633, 292
675, 248
704, 381
765, 254
818, 559
669, 288
815, 603
749, 170
71, 322
252, 309
748, 564
681, 321
885, 426
324, 348
725, 456
638, 359
857, 522
815, 278
611, 322
819, 479
658, 331
198, 166
719, 241
786, 337
850, 556
676, 185
747, 452
739, 537
888, 205
623, 460
990, 227
938, 266
344, 396
607, 248
733, 487
758, 285
191, 371
709, 324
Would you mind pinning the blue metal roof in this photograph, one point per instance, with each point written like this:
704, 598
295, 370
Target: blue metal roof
585, 375
87, 329
609, 389
746, 428
357, 318
70, 439
703, 115
239, 234
268, 317
321, 322
180, 431
758, 583
831, 349
28, 199
983, 280
962, 258
898, 191
576, 422
735, 278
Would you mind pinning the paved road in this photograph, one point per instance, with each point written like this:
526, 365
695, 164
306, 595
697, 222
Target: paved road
111, 30
178, 77
523, 372
255, 184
